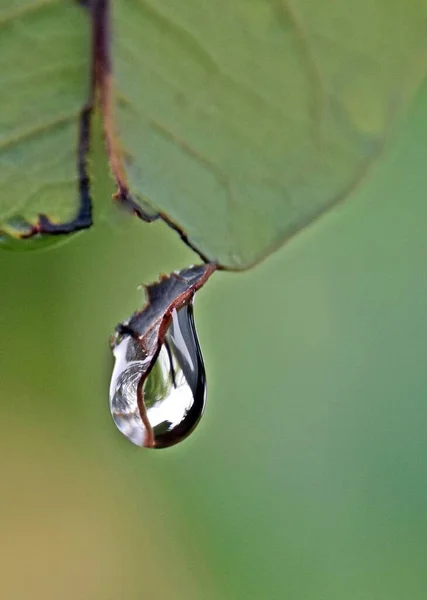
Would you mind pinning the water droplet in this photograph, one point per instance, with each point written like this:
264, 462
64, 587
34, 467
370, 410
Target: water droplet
157, 397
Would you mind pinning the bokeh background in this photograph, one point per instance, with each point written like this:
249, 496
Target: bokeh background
306, 478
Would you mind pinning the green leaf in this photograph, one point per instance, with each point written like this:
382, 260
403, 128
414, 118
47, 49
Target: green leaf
44, 49
244, 120
238, 122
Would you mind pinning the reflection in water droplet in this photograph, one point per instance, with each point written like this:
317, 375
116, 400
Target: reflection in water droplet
159, 409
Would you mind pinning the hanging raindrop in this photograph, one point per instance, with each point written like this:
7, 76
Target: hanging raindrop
158, 386
165, 406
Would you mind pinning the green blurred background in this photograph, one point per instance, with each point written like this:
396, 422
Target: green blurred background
306, 478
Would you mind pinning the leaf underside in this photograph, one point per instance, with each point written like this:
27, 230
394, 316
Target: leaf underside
238, 122
44, 78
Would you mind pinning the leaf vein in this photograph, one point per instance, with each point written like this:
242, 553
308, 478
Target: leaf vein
30, 132
8, 16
